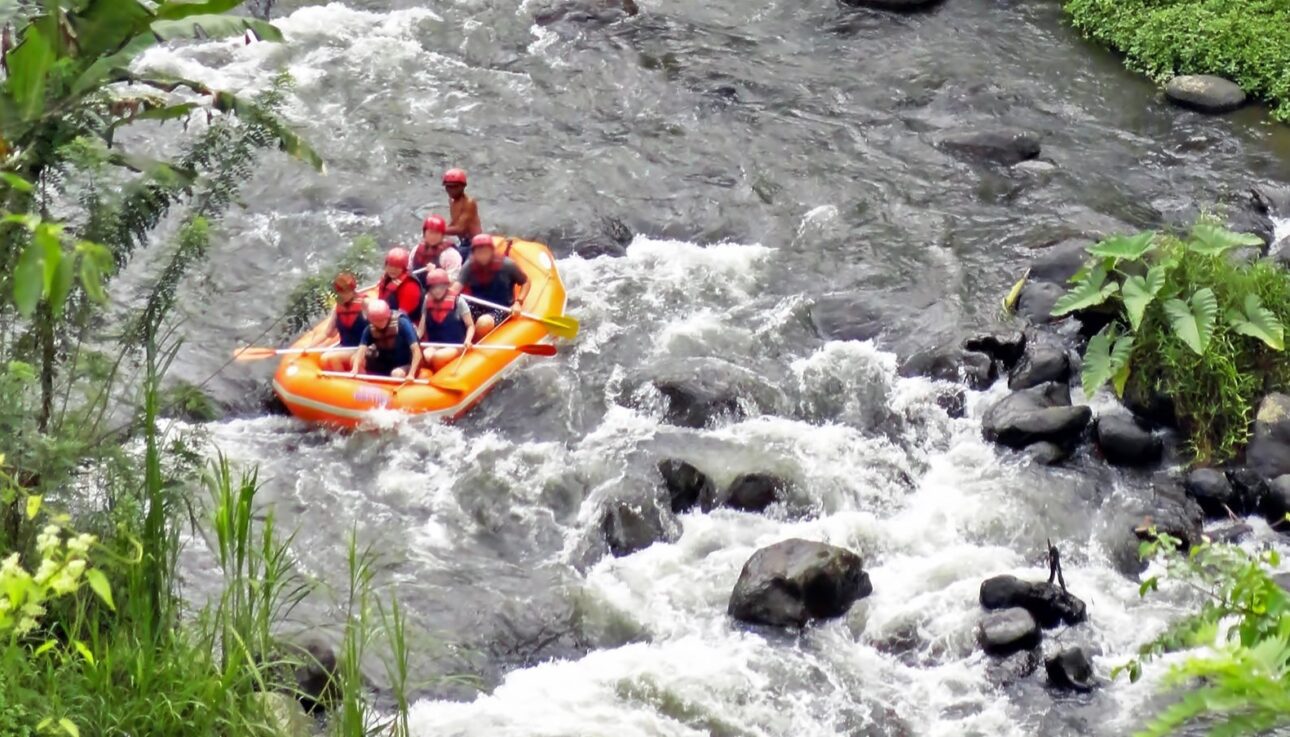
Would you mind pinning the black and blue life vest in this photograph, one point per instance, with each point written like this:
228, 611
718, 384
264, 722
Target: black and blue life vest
350, 322
443, 324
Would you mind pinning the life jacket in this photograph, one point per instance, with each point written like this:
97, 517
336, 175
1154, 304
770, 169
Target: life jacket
392, 291
386, 350
350, 322
490, 282
443, 324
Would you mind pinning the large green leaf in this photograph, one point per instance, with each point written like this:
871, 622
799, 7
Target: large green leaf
1258, 322
1139, 292
214, 26
1193, 321
106, 25
28, 66
1092, 291
95, 261
1124, 247
51, 255
1212, 240
15, 181
29, 278
1106, 357
64, 277
177, 9
102, 70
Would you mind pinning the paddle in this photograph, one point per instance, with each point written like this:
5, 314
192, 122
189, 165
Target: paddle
253, 353
533, 349
373, 377
561, 326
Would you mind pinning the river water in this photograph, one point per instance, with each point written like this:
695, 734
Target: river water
768, 165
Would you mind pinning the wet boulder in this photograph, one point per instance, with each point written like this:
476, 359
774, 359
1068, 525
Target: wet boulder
1059, 261
1230, 534
953, 401
1005, 345
795, 581
584, 12
1039, 414
1124, 442
897, 5
314, 663
1046, 453
749, 492
1150, 406
703, 392
1171, 511
1037, 300
1042, 362
1004, 146
1249, 211
630, 525
950, 363
1205, 93
1046, 602
685, 484
1007, 670
1280, 252
1213, 492
1070, 669
1282, 580
1276, 503
1268, 453
1006, 632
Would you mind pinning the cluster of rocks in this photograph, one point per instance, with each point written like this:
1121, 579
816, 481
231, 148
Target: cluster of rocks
1012, 631
632, 524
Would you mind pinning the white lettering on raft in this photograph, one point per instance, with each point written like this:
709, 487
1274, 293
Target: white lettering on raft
371, 395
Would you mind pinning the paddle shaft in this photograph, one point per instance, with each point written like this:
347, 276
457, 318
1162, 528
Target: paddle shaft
373, 377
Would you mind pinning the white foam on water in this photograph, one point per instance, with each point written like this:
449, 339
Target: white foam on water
1281, 229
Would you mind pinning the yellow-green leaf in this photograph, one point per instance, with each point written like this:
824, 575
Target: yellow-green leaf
45, 647
69, 727
33, 506
28, 279
99, 584
15, 181
52, 255
1010, 301
84, 651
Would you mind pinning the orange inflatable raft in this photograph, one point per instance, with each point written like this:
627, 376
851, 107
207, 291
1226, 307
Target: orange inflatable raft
345, 401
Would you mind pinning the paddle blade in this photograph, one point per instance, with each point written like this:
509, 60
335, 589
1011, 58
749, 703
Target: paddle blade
253, 354
561, 326
537, 349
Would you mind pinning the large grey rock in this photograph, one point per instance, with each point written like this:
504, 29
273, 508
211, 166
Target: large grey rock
1009, 631
314, 662
1070, 669
951, 363
1037, 300
1047, 454
685, 484
1268, 453
629, 525
1276, 504
1046, 602
1124, 442
1005, 345
1058, 262
795, 581
1280, 252
1205, 93
750, 492
1006, 146
1043, 362
1041, 413
1213, 492
1172, 512
1008, 670
702, 392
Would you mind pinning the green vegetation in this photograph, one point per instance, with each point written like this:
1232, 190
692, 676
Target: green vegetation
1241, 685
94, 497
1247, 42
1190, 323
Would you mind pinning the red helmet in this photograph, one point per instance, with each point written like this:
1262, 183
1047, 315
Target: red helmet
437, 276
344, 280
378, 312
435, 223
481, 240
454, 176
397, 256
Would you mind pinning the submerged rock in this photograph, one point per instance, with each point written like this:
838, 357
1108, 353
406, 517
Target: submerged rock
1039, 414
1276, 504
1037, 300
899, 5
1268, 453
953, 401
1205, 93
1007, 632
1058, 262
750, 492
1042, 363
1006, 146
1172, 512
632, 525
795, 581
1005, 345
1070, 669
315, 667
704, 392
1213, 492
1125, 443
1046, 453
685, 484
1230, 533
1150, 406
950, 363
1046, 602
1007, 670
586, 12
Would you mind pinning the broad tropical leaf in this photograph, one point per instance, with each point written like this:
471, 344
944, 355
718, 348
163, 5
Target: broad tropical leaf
28, 66
1193, 321
29, 278
214, 26
64, 277
1093, 291
1213, 240
105, 25
102, 70
51, 255
15, 181
1106, 356
1125, 247
1138, 293
177, 9
1258, 322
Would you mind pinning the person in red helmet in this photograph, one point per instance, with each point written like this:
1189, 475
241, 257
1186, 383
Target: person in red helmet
493, 277
463, 211
446, 319
389, 345
347, 323
434, 251
398, 288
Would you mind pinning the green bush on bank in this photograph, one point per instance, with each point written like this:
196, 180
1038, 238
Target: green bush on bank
1247, 41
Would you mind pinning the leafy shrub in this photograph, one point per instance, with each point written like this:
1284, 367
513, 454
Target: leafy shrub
1246, 41
1189, 323
1242, 685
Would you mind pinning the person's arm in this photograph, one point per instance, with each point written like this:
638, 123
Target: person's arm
459, 284
416, 352
463, 309
525, 284
409, 295
450, 261
421, 324
360, 355
326, 334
